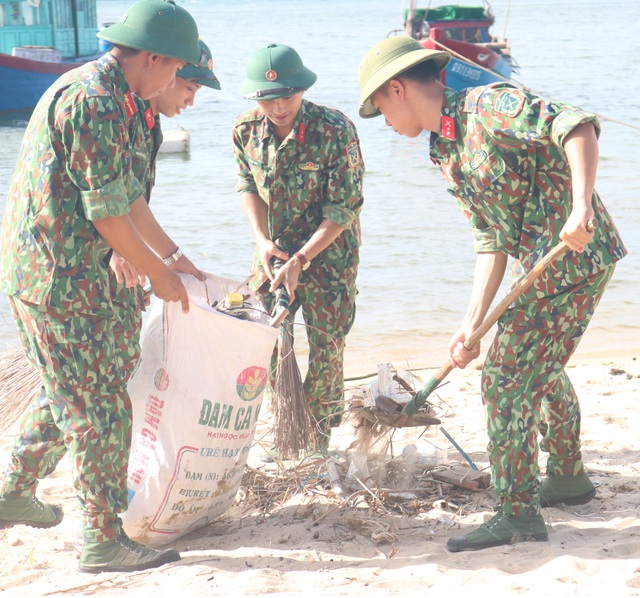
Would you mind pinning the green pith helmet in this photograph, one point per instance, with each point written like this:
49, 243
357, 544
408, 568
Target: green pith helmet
158, 26
387, 60
204, 74
275, 72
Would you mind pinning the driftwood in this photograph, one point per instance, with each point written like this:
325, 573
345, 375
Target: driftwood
463, 477
379, 417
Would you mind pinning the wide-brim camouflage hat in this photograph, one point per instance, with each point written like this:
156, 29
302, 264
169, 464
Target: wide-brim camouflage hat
204, 74
387, 60
275, 71
157, 26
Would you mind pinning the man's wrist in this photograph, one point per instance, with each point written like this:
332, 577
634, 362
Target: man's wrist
304, 262
173, 258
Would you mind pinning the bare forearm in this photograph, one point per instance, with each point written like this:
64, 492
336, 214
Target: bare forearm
327, 233
255, 211
489, 272
581, 150
121, 234
150, 230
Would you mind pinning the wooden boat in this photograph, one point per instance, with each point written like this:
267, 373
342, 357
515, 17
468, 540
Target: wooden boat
39, 41
478, 56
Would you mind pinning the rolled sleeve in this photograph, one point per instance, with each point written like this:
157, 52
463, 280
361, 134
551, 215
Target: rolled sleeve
567, 120
99, 159
484, 240
342, 216
111, 200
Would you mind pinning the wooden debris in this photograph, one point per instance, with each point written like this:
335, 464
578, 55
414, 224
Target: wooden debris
464, 477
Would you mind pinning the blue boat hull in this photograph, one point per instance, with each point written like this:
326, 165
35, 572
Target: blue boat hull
23, 81
461, 74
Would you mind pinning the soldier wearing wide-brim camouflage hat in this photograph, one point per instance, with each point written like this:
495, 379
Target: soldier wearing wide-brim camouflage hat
128, 295
522, 169
73, 197
300, 180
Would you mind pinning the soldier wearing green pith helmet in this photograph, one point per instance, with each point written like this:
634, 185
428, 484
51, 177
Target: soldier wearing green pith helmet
126, 280
523, 170
74, 197
300, 177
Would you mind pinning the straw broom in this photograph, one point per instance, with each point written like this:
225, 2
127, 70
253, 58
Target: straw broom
294, 427
20, 384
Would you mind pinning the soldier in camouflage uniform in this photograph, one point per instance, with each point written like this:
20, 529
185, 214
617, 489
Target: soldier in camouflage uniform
300, 179
523, 171
127, 295
71, 198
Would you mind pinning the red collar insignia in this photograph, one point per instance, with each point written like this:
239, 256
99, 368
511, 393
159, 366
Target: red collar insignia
148, 116
448, 127
302, 130
130, 104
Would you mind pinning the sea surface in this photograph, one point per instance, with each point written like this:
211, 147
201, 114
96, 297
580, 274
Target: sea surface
417, 258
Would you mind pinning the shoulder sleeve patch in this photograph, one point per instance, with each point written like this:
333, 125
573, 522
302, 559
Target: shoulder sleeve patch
508, 103
353, 154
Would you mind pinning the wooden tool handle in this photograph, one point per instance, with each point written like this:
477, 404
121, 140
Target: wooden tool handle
522, 285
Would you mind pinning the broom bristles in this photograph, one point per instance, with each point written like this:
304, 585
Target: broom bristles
294, 427
20, 384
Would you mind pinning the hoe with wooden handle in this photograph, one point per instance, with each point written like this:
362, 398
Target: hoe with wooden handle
560, 249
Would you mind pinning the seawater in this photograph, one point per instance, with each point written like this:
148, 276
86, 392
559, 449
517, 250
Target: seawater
417, 259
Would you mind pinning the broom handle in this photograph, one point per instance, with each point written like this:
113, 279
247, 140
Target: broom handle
281, 310
560, 249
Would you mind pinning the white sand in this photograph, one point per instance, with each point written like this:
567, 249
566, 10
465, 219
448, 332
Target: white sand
315, 543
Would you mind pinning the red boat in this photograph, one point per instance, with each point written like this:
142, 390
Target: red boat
478, 56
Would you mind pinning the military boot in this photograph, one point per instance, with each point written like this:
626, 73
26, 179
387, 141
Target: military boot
568, 489
501, 529
28, 510
122, 554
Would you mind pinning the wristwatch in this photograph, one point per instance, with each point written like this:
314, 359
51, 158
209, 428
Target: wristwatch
174, 257
304, 262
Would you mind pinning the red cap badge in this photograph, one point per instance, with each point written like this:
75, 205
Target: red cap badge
271, 75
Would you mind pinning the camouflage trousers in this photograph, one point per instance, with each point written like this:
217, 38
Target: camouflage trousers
84, 410
328, 312
526, 391
128, 303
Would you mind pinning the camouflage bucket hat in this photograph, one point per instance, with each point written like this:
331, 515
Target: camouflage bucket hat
275, 72
204, 74
158, 26
387, 60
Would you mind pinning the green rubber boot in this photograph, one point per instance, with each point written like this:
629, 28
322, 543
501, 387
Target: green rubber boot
568, 489
501, 529
28, 510
122, 554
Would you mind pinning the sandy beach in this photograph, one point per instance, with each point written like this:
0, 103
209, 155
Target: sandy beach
292, 532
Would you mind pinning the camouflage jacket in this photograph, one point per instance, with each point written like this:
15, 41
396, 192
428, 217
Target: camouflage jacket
501, 153
314, 174
75, 166
147, 142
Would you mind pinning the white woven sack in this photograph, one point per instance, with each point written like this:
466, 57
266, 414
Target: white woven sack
196, 395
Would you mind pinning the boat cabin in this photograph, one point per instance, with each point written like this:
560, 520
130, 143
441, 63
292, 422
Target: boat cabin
469, 24
48, 30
